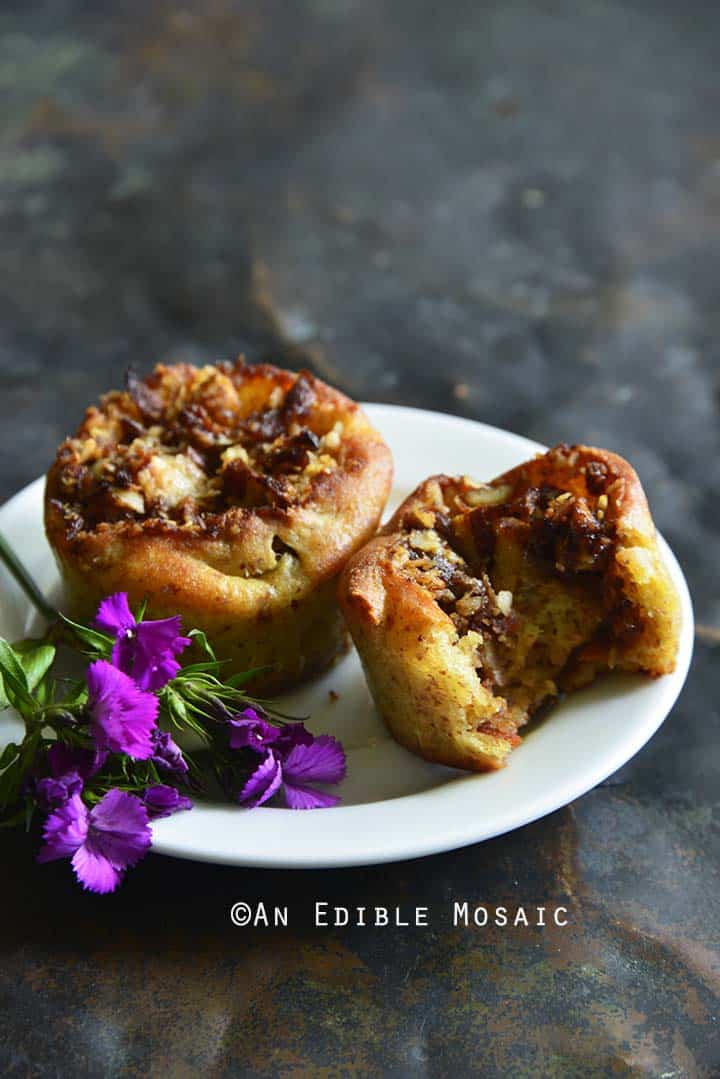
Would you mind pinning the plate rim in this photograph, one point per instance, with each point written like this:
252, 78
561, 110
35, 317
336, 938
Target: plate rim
466, 833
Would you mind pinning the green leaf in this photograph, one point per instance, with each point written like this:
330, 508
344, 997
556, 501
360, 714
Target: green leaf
98, 642
36, 660
8, 755
200, 638
9, 784
10, 664
175, 705
245, 676
43, 692
14, 680
76, 695
12, 776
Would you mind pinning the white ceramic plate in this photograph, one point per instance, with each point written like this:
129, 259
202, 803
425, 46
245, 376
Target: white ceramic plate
394, 805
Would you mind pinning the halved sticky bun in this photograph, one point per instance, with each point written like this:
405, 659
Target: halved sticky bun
479, 602
232, 494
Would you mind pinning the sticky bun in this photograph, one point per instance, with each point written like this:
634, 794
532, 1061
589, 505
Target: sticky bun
232, 494
479, 602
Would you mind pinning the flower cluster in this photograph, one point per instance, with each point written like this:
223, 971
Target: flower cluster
120, 714
113, 767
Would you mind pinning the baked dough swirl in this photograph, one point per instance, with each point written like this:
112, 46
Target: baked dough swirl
231, 494
478, 602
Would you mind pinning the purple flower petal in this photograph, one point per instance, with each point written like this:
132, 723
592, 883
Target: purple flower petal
294, 734
249, 730
65, 830
118, 829
162, 801
167, 753
95, 872
123, 717
321, 762
114, 614
52, 792
69, 767
299, 797
147, 651
263, 783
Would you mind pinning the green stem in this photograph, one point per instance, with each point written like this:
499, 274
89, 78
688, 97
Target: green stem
23, 578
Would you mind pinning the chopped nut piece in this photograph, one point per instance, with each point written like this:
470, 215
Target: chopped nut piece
235, 453
487, 495
425, 541
131, 500
468, 605
169, 478
504, 601
425, 518
331, 441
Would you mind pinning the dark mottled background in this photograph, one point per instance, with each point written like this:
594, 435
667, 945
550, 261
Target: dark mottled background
506, 210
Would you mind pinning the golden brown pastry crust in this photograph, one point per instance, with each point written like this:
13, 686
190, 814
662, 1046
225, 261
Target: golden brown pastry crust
231, 494
478, 602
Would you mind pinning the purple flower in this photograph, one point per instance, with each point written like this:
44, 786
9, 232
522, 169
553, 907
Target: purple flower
249, 730
102, 842
166, 753
163, 801
53, 791
69, 767
144, 650
122, 716
321, 761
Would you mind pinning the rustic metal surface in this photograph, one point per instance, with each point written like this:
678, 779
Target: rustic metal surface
506, 210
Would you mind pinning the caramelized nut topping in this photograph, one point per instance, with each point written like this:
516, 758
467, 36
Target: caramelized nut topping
554, 541
185, 445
